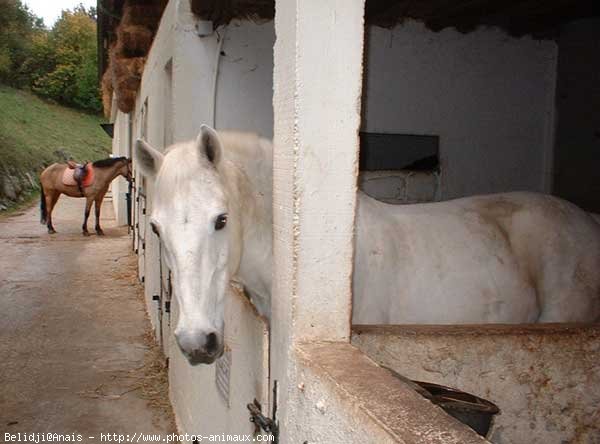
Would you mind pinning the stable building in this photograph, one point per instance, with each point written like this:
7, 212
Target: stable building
411, 101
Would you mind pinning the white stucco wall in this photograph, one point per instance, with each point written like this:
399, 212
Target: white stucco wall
244, 87
151, 97
177, 86
489, 97
200, 408
245, 81
119, 186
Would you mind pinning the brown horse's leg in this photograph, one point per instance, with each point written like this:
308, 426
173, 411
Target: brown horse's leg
51, 199
98, 202
88, 207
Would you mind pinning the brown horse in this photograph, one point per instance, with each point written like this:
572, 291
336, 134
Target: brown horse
105, 171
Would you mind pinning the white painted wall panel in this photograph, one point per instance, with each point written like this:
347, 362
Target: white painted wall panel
199, 407
245, 83
244, 95
489, 97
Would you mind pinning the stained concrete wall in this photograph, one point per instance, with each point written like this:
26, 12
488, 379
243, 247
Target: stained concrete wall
489, 97
544, 378
344, 397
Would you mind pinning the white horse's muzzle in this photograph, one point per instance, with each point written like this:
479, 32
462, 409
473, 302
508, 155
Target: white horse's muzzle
200, 346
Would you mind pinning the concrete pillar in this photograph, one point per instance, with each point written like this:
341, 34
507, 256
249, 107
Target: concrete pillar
317, 99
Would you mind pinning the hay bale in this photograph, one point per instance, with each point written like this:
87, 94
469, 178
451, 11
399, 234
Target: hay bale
126, 78
125, 68
126, 101
142, 15
133, 40
107, 91
135, 32
127, 72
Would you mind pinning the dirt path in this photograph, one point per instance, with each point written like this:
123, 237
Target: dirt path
74, 357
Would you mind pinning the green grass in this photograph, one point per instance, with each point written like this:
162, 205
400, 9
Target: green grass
31, 129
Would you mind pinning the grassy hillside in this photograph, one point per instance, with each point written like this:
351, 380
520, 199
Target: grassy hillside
32, 129
34, 133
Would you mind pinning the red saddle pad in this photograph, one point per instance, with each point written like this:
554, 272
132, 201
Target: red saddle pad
68, 178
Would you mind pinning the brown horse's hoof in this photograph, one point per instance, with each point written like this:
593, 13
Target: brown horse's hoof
100, 232
51, 231
86, 233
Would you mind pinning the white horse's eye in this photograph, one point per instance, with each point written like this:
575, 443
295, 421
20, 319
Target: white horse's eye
154, 228
220, 222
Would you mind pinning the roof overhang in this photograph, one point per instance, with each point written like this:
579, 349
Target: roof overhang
539, 18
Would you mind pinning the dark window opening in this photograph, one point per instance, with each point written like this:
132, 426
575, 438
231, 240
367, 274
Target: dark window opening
399, 152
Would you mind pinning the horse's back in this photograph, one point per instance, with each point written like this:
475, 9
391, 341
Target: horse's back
478, 259
52, 172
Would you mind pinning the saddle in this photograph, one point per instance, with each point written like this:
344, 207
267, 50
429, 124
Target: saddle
81, 175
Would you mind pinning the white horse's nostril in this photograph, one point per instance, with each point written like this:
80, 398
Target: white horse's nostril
212, 343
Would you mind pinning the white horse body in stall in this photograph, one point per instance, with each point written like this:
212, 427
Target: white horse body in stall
503, 258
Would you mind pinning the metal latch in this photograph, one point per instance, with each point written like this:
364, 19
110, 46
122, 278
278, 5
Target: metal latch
260, 421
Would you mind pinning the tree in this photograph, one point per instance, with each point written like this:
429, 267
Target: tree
60, 64
18, 27
72, 80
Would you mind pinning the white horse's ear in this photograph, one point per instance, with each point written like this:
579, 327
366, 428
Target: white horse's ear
148, 159
209, 144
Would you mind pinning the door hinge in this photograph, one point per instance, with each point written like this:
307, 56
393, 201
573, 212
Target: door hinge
261, 422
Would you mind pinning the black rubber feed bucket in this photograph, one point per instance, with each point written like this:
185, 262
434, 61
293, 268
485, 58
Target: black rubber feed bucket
469, 409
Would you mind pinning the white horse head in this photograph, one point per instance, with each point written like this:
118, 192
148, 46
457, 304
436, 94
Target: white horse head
195, 218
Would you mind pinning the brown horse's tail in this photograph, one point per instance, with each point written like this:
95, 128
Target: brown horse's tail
43, 210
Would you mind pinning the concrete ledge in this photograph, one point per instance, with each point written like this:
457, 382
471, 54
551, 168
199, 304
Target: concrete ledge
344, 390
478, 330
545, 377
